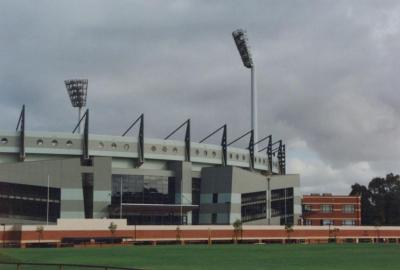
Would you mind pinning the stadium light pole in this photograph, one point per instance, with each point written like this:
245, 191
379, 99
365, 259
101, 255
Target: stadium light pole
77, 91
242, 44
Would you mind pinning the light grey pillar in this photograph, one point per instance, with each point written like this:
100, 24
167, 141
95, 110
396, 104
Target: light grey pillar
101, 186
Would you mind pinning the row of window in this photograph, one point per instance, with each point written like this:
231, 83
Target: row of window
143, 189
278, 194
213, 154
327, 222
69, 143
254, 206
282, 207
28, 201
328, 208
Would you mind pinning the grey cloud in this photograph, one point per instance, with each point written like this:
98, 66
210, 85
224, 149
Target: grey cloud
326, 70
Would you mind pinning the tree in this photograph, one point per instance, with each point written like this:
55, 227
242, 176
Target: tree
237, 229
113, 229
380, 201
39, 230
178, 234
289, 229
366, 205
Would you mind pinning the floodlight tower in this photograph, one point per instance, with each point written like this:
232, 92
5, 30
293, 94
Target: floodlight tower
242, 43
77, 91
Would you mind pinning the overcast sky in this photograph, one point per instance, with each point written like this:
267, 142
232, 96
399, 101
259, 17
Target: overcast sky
327, 74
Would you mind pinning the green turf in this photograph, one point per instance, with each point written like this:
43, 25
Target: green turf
276, 257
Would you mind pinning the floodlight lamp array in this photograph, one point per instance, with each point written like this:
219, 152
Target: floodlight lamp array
242, 43
77, 91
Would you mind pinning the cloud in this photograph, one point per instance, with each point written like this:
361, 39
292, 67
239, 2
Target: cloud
327, 74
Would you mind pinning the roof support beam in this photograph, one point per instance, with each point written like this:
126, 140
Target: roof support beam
21, 128
187, 138
250, 147
223, 143
86, 137
85, 143
140, 145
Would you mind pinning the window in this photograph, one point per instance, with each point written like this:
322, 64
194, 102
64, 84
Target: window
254, 206
196, 187
215, 198
39, 142
307, 222
326, 208
349, 222
54, 142
282, 208
282, 205
278, 194
113, 145
326, 222
29, 201
214, 218
348, 208
307, 208
144, 189
69, 143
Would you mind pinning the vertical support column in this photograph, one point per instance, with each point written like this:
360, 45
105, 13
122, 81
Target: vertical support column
102, 175
72, 202
187, 141
251, 149
280, 157
269, 201
224, 146
269, 154
183, 184
141, 142
21, 126
86, 137
283, 159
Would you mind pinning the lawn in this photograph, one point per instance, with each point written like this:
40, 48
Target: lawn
276, 257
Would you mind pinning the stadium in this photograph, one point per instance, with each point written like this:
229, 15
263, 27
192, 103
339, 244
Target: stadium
46, 176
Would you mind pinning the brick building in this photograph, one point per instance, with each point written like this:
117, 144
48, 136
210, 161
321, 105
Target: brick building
328, 209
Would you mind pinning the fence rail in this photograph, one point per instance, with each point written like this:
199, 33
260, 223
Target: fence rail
61, 266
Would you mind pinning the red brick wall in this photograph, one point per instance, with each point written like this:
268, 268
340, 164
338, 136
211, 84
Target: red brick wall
337, 215
257, 232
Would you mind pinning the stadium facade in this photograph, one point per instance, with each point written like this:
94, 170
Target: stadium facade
45, 176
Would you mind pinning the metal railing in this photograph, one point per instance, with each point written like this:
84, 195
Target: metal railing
62, 266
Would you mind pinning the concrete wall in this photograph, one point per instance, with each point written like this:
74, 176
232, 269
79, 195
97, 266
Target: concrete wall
287, 181
183, 183
230, 183
245, 182
101, 186
64, 174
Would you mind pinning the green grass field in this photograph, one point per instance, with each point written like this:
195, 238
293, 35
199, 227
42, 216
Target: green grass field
323, 256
